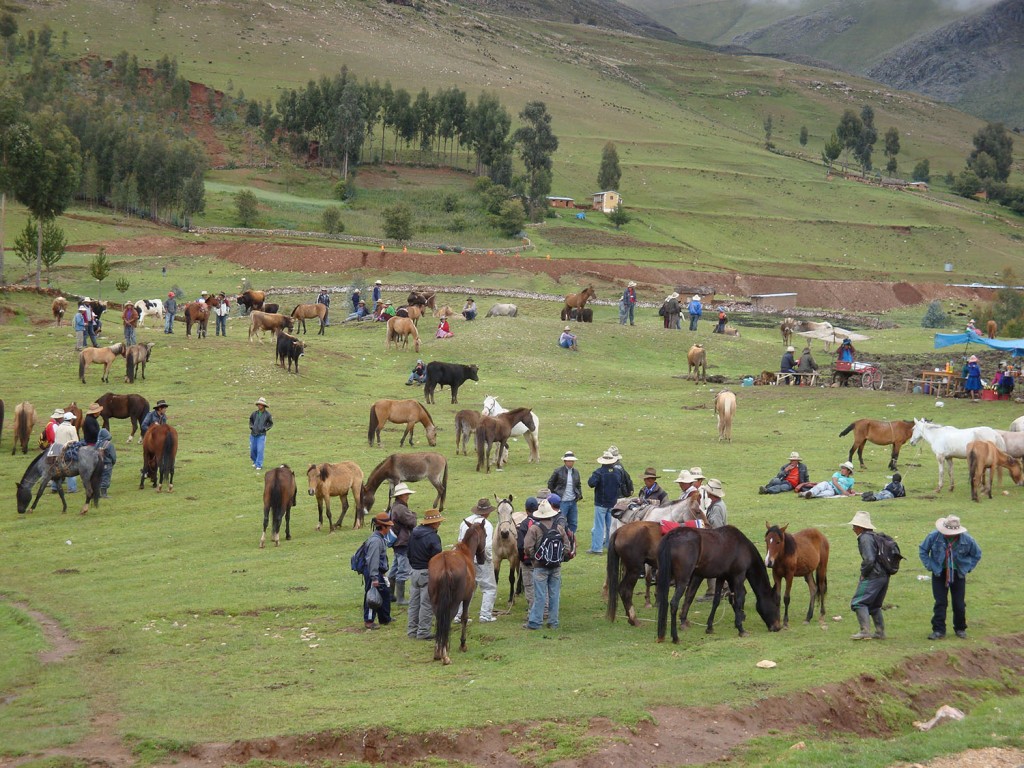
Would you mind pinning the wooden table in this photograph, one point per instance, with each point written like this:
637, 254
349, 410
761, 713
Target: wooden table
802, 379
942, 383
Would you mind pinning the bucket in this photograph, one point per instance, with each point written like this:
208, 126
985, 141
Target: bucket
948, 266
989, 394
927, 388
748, 381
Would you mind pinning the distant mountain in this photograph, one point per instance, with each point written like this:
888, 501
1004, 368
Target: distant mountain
597, 13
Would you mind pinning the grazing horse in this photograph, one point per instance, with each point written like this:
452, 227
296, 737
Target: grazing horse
687, 556
991, 328
407, 468
408, 412
505, 546
198, 315
798, 554
631, 548
725, 409
134, 407
399, 330
137, 357
89, 466
894, 433
493, 408
452, 581
279, 496
786, 327
59, 307
697, 362
24, 420
149, 308
159, 449
326, 480
498, 429
104, 356
983, 459
304, 312
948, 443
579, 300
503, 310
466, 422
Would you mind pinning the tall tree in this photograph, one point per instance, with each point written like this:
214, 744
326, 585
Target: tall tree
610, 174
489, 125
995, 141
537, 142
865, 145
769, 124
833, 148
803, 135
892, 148
849, 130
15, 140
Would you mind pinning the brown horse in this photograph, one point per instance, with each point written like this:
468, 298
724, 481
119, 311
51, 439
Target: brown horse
444, 311
198, 315
304, 312
104, 356
407, 468
279, 496
631, 548
59, 307
134, 407
326, 480
72, 407
894, 433
408, 412
505, 546
466, 422
452, 581
984, 458
498, 429
399, 330
991, 328
687, 556
422, 299
579, 300
798, 554
159, 448
24, 420
137, 357
414, 312
697, 362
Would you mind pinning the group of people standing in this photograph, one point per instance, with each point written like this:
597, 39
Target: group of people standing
61, 432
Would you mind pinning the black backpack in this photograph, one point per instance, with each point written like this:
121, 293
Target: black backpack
889, 556
550, 550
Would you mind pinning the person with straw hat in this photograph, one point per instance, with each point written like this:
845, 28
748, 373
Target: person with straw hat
841, 484
260, 422
694, 309
405, 522
547, 541
485, 572
652, 492
972, 377
628, 304
949, 553
566, 483
375, 574
568, 339
788, 364
873, 583
91, 424
606, 481
792, 475
424, 543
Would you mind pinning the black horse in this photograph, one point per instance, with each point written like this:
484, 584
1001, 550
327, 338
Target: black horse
687, 556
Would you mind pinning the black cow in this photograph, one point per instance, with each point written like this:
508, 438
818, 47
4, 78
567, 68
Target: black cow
271, 308
289, 348
452, 374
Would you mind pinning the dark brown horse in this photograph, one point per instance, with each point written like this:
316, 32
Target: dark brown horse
687, 556
422, 299
632, 548
407, 468
134, 407
466, 422
137, 357
452, 581
159, 449
408, 412
798, 554
579, 300
198, 315
278, 499
894, 433
498, 429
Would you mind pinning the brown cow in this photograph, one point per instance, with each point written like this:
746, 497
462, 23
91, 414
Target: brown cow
59, 307
251, 300
261, 321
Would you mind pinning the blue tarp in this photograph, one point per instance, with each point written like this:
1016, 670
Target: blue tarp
1014, 346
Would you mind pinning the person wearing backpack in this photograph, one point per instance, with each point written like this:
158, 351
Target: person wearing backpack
375, 574
950, 554
873, 582
547, 542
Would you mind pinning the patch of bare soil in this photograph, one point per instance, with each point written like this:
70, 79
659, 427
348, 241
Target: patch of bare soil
994, 757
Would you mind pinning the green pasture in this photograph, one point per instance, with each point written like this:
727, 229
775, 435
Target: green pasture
189, 633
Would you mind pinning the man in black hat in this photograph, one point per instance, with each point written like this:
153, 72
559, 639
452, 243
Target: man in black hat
484, 573
157, 416
651, 491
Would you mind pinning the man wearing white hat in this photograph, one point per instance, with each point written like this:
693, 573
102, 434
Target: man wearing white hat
568, 339
405, 522
694, 308
949, 553
841, 484
628, 304
546, 542
606, 481
260, 422
790, 477
64, 433
873, 583
788, 364
485, 572
566, 483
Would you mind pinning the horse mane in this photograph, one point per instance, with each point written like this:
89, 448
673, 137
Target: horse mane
324, 471
788, 542
32, 465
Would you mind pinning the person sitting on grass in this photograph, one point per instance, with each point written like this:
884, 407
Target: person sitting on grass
469, 310
790, 477
360, 313
568, 340
841, 484
894, 490
444, 331
418, 375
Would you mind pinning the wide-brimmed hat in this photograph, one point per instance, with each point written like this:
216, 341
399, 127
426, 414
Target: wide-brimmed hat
483, 507
950, 526
673, 295
57, 414
402, 490
714, 486
86, 299
163, 404
791, 349
650, 472
95, 409
69, 416
794, 456
362, 302
261, 401
697, 473
684, 477
695, 297
862, 520
204, 293
383, 519
568, 327
544, 511
846, 465
431, 516
606, 458
631, 284
377, 282
355, 290
614, 451
569, 456
972, 359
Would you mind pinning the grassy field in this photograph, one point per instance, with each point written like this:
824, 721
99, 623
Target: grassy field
190, 633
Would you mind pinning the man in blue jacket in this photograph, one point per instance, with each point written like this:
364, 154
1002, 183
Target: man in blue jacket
606, 481
950, 554
694, 308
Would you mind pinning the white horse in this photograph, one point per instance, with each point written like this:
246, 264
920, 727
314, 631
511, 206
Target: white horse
1017, 425
492, 408
1014, 443
149, 308
503, 310
948, 443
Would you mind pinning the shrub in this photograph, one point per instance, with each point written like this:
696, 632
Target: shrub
398, 222
934, 317
330, 220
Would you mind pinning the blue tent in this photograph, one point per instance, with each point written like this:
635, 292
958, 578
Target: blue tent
1013, 346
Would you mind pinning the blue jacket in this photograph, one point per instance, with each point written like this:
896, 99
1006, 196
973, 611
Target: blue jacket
966, 553
695, 308
606, 481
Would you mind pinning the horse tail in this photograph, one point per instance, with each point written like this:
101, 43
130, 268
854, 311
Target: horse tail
20, 424
81, 365
848, 429
662, 582
973, 467
613, 577
130, 365
445, 606
823, 552
373, 424
444, 485
167, 456
296, 310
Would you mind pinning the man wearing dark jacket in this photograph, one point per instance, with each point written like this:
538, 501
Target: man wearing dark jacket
565, 482
375, 574
525, 563
873, 583
651, 491
606, 482
424, 543
790, 477
405, 522
626, 489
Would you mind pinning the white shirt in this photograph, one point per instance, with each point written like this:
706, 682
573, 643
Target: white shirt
570, 487
488, 531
